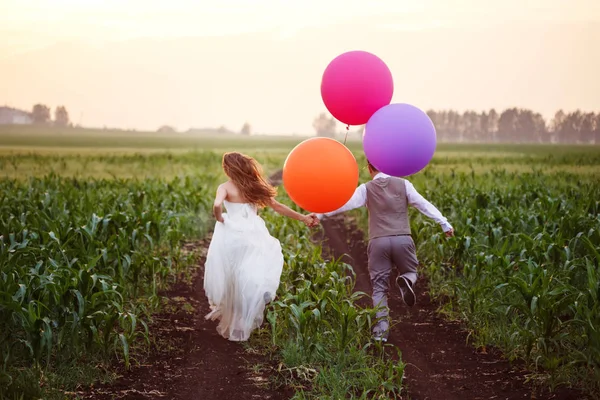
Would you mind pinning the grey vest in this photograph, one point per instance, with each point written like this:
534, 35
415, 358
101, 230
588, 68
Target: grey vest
388, 207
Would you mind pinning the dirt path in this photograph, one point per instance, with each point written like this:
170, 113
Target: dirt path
191, 361
440, 364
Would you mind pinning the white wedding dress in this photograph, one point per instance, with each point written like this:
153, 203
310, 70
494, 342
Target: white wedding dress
242, 271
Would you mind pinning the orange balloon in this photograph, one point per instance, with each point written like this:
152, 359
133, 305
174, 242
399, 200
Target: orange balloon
320, 175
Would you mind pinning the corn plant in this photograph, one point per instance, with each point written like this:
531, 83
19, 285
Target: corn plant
317, 323
522, 272
76, 257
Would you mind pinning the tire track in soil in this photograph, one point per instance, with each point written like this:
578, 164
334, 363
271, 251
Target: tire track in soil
440, 365
191, 361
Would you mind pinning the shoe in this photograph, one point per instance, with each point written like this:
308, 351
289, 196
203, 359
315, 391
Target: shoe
381, 332
380, 336
267, 297
406, 291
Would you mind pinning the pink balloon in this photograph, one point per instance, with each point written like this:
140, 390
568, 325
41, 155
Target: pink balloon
355, 85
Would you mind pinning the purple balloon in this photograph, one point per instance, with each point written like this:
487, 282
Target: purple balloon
399, 140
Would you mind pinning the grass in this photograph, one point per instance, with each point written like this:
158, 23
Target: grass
40, 137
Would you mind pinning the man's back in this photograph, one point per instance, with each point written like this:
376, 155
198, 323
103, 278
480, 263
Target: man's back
388, 207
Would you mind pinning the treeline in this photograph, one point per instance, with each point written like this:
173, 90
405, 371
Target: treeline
516, 125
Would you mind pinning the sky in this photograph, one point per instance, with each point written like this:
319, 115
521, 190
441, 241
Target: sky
138, 64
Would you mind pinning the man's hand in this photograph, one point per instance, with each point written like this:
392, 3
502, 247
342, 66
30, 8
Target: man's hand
450, 233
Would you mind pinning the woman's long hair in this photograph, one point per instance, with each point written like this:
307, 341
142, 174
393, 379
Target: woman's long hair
246, 174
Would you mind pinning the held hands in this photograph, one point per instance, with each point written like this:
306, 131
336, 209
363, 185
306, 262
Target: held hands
310, 220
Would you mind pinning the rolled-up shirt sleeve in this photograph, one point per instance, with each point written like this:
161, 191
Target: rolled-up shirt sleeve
358, 199
425, 207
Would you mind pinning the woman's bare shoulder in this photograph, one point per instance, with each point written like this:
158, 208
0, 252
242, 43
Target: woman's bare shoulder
233, 192
222, 187
229, 186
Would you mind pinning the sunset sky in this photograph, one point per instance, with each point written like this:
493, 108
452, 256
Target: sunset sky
190, 63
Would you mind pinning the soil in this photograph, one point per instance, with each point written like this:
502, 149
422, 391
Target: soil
191, 361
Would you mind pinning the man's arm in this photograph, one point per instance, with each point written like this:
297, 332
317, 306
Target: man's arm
426, 208
358, 199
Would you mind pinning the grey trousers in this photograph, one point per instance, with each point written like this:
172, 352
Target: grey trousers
384, 253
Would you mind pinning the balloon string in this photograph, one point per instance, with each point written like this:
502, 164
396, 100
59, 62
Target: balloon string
347, 130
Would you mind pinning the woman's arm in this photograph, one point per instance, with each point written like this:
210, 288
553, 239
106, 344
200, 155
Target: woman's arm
218, 204
309, 220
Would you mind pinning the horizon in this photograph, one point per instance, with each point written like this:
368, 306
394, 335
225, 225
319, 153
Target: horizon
341, 130
139, 65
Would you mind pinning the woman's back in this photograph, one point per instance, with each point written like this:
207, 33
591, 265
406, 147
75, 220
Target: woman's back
244, 262
234, 195
242, 270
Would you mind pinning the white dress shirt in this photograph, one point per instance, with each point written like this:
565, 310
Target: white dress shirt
359, 199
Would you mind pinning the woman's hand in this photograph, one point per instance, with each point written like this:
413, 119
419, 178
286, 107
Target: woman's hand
282, 209
218, 204
218, 213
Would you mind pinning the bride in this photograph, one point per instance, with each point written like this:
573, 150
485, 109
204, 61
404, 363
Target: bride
244, 262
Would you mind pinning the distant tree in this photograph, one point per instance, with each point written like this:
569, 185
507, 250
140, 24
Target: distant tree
246, 129
531, 127
438, 123
484, 127
471, 126
507, 125
587, 128
541, 128
521, 125
222, 130
455, 126
493, 118
324, 125
572, 127
61, 117
597, 129
540, 133
556, 126
575, 127
525, 129
166, 129
40, 114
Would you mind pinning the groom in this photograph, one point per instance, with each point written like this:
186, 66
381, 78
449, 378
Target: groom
390, 243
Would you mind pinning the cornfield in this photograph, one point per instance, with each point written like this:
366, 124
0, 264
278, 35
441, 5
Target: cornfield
523, 271
89, 241
81, 263
322, 333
